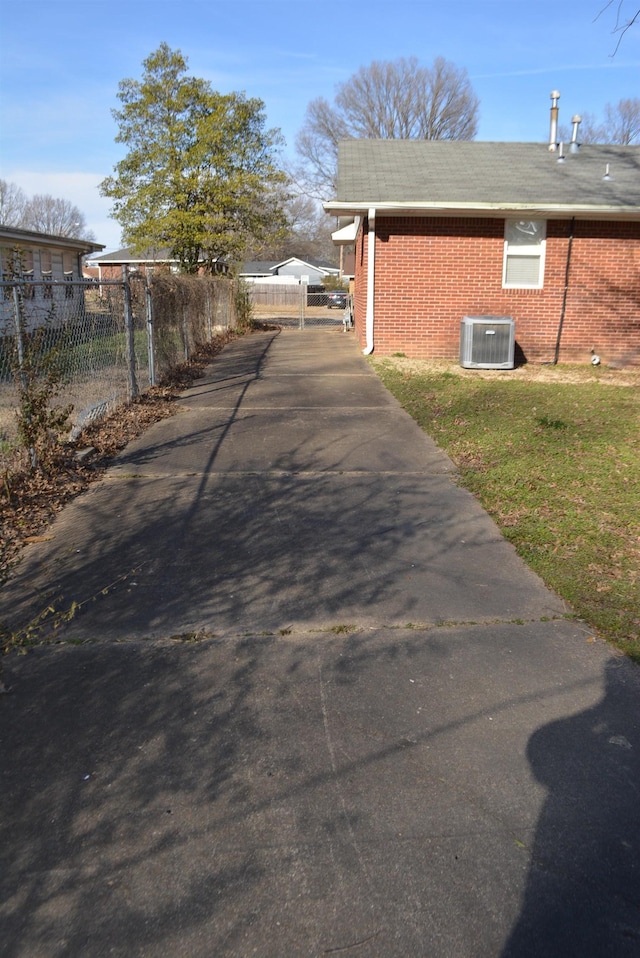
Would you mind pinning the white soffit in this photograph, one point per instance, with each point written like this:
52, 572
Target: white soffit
347, 234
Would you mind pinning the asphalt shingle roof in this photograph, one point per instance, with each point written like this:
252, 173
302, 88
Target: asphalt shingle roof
267, 266
126, 255
258, 266
413, 172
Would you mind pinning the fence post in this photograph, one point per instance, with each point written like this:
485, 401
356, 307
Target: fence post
19, 318
128, 327
185, 332
19, 339
303, 300
209, 329
150, 344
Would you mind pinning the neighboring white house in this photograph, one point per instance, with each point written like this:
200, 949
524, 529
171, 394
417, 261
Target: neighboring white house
43, 256
50, 263
292, 271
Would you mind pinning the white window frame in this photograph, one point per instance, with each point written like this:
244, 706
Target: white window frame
537, 248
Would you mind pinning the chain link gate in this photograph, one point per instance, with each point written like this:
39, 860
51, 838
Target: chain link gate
294, 306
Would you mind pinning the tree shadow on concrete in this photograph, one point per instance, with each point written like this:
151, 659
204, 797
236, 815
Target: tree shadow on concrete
154, 790
299, 796
317, 526
106, 751
156, 799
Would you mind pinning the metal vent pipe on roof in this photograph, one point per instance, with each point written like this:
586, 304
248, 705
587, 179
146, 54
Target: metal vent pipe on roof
575, 146
553, 132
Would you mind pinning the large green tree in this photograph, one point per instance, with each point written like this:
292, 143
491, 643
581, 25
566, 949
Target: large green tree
201, 174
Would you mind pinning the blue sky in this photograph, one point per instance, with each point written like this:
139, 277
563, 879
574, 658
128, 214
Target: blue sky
62, 62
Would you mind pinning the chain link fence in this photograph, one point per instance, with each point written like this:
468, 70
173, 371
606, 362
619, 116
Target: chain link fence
299, 306
183, 312
108, 341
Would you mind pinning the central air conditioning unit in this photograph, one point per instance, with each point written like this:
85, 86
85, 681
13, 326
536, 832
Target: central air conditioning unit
487, 342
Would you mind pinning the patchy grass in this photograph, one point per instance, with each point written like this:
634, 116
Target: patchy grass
554, 457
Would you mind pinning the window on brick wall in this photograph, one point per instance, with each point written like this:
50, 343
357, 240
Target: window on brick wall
45, 261
524, 248
27, 273
67, 267
47, 273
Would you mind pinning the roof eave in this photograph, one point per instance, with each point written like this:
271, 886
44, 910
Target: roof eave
123, 261
296, 259
538, 210
49, 239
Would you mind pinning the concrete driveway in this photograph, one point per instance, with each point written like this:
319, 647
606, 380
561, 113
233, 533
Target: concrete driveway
309, 702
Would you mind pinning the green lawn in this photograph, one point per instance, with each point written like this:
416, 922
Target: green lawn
556, 463
103, 352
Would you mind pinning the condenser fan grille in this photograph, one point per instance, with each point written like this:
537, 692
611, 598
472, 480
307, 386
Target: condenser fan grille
487, 342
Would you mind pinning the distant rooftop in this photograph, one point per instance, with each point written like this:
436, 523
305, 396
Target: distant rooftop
268, 267
125, 255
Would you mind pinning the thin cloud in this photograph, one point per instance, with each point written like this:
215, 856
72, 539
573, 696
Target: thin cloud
555, 69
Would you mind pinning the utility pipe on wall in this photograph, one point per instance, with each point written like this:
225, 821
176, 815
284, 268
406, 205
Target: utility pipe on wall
572, 227
371, 267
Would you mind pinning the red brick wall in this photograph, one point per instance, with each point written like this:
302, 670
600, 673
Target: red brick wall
115, 271
432, 272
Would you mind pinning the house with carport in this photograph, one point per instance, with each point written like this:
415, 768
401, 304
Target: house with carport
544, 235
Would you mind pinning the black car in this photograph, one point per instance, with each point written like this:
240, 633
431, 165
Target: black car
337, 298
316, 295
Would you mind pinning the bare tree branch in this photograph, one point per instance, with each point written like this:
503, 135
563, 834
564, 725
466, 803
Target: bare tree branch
41, 213
387, 100
12, 203
47, 214
623, 121
308, 234
623, 22
621, 125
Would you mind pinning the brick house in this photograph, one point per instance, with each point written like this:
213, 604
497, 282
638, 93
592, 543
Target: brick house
110, 265
450, 229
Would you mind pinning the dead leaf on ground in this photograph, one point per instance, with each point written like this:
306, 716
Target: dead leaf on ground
30, 501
